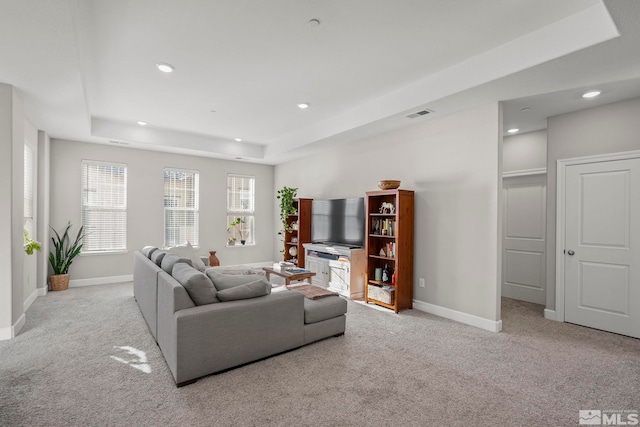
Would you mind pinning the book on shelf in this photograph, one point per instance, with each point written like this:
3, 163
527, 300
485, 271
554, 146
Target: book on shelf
389, 250
383, 227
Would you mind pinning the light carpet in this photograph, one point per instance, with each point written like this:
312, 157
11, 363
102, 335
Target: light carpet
86, 358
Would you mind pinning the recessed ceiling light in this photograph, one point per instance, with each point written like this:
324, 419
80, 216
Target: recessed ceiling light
142, 123
164, 67
314, 22
239, 139
591, 94
303, 105
514, 130
525, 109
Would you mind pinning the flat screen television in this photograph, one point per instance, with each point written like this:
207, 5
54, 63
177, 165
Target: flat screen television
338, 221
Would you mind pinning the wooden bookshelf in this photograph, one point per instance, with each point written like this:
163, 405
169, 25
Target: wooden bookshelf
300, 234
390, 242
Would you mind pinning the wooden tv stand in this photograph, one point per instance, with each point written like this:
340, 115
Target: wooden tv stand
338, 268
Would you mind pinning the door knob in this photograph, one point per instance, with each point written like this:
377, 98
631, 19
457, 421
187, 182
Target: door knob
571, 253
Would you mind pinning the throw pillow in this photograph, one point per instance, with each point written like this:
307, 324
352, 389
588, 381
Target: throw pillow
148, 250
197, 284
157, 256
170, 260
189, 252
226, 281
257, 288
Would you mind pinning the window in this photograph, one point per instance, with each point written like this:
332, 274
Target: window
28, 189
104, 207
241, 204
181, 207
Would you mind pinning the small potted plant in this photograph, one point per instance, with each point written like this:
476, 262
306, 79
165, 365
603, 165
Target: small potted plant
236, 224
30, 245
62, 257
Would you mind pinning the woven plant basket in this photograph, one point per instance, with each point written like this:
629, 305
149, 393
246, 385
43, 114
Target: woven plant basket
59, 282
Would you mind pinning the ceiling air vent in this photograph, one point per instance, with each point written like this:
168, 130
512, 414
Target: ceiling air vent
419, 114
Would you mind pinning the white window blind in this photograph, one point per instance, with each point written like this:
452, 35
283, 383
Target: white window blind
181, 207
104, 206
241, 204
28, 189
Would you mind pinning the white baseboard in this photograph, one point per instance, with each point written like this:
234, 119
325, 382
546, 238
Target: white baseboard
100, 280
42, 292
11, 332
30, 300
550, 314
458, 316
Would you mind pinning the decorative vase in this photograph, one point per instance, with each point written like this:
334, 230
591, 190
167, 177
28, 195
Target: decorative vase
213, 259
243, 241
59, 282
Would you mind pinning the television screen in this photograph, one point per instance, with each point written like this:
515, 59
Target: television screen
338, 221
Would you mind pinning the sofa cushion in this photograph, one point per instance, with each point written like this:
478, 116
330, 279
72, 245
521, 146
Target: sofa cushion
197, 284
157, 256
226, 281
170, 260
317, 310
257, 288
148, 250
240, 270
187, 251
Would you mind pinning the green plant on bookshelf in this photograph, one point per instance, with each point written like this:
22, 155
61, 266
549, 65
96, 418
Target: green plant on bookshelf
286, 196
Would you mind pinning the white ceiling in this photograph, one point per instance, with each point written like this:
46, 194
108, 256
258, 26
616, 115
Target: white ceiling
86, 68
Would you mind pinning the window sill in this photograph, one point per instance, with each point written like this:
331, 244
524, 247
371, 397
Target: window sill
240, 245
120, 252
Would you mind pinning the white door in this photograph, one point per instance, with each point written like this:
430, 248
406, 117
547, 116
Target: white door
523, 242
602, 246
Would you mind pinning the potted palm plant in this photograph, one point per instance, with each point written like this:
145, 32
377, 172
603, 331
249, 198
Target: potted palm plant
62, 257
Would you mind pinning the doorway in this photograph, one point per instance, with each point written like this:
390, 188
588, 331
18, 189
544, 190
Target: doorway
523, 241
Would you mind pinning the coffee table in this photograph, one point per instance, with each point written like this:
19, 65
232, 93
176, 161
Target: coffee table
288, 277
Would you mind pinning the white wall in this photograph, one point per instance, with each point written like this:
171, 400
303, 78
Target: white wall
145, 214
607, 129
44, 145
31, 261
525, 151
454, 166
11, 211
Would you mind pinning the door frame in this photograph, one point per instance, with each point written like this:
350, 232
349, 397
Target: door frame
561, 214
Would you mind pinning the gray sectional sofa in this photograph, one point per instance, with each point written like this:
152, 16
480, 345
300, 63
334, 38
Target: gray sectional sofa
204, 328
